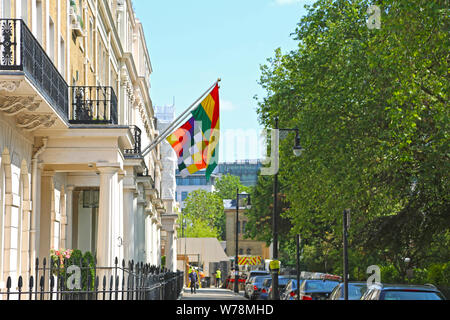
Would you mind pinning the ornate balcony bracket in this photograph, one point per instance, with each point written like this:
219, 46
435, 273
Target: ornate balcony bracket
13, 105
31, 122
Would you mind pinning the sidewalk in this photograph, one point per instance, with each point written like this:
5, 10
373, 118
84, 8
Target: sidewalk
211, 294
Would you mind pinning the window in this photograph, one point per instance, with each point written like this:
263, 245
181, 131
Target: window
91, 41
62, 58
24, 11
176, 196
51, 40
249, 251
184, 195
6, 12
39, 20
56, 222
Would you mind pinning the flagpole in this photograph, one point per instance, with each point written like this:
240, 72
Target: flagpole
175, 123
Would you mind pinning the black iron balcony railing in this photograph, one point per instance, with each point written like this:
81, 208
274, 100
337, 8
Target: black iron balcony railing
136, 151
93, 105
20, 51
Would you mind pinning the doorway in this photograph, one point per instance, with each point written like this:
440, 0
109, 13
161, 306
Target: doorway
85, 219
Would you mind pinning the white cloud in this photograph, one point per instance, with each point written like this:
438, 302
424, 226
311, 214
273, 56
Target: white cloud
226, 105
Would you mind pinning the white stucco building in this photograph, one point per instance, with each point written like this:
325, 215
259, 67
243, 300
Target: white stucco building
75, 110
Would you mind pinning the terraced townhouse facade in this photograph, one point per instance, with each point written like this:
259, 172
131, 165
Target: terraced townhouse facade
75, 110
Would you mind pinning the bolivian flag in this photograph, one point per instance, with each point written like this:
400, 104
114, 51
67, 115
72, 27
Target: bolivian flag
196, 141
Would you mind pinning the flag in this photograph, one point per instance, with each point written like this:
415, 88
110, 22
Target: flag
196, 141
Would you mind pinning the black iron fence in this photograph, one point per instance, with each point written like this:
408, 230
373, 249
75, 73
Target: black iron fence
20, 51
83, 280
93, 105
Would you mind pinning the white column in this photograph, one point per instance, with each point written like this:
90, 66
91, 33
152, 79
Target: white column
107, 235
169, 251
118, 222
69, 214
128, 223
148, 228
140, 230
169, 225
158, 246
154, 241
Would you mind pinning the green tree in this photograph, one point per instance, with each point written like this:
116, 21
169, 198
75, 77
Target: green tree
227, 185
204, 214
371, 107
198, 228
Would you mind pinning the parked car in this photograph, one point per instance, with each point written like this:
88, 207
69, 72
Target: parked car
355, 291
249, 279
264, 293
314, 289
282, 282
255, 286
402, 292
291, 290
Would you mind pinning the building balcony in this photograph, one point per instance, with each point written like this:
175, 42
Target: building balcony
93, 105
136, 151
37, 95
23, 58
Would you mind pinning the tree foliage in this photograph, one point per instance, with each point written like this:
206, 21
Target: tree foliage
227, 185
371, 107
204, 215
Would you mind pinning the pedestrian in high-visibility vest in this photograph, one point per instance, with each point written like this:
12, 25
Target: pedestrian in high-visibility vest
218, 278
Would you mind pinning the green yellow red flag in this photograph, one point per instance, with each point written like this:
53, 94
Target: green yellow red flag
196, 141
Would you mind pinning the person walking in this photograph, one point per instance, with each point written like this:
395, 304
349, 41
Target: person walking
218, 278
193, 277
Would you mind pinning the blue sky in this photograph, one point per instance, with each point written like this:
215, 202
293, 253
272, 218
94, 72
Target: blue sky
192, 43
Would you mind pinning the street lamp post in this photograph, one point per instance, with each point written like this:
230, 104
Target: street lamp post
236, 259
298, 266
345, 245
297, 152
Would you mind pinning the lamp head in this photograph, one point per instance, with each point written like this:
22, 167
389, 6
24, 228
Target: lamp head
298, 150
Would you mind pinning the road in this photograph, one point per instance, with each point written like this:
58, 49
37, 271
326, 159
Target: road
211, 294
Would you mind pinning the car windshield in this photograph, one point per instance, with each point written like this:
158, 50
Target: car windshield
267, 282
320, 285
283, 281
294, 284
260, 273
411, 295
355, 291
259, 280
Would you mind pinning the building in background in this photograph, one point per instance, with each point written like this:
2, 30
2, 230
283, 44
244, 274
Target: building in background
246, 247
246, 170
205, 253
75, 110
196, 181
